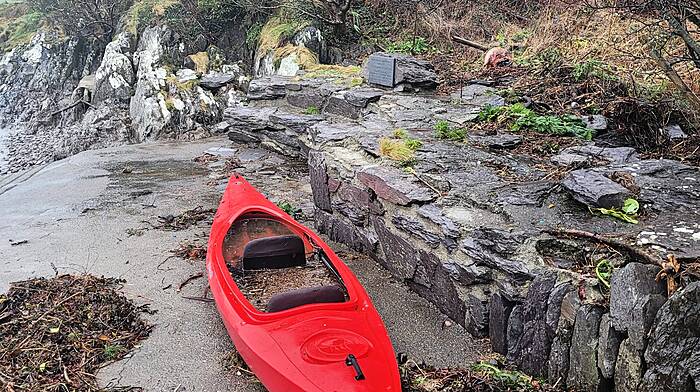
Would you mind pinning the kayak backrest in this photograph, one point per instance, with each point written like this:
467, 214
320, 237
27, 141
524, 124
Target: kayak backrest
305, 296
274, 252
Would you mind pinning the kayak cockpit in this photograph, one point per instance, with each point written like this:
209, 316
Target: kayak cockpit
278, 267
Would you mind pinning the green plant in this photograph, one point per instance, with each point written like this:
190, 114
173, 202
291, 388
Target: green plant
627, 213
521, 118
417, 45
112, 351
510, 378
592, 68
289, 209
312, 110
400, 147
443, 130
603, 271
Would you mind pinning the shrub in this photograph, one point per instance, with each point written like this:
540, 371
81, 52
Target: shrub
443, 130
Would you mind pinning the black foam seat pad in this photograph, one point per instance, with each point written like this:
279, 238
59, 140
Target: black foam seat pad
276, 252
305, 296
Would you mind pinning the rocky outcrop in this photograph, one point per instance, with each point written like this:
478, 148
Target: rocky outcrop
114, 79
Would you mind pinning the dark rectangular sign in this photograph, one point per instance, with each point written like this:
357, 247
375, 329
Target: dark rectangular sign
381, 70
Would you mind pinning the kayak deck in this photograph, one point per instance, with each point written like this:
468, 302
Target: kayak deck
261, 285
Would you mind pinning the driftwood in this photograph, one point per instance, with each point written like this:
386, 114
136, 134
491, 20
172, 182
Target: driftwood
71, 106
469, 43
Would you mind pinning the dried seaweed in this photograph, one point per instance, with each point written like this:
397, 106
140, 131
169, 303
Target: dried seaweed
56, 333
184, 220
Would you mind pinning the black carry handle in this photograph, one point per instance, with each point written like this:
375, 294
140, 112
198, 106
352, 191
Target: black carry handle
352, 361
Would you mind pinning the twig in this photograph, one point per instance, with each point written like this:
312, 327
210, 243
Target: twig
202, 299
632, 251
188, 280
469, 43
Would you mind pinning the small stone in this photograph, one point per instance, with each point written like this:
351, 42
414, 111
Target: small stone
216, 80
675, 133
595, 122
594, 189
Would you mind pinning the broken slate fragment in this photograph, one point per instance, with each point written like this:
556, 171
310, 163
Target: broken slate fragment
394, 186
498, 142
608, 346
594, 189
595, 122
216, 80
675, 133
583, 364
629, 287
417, 229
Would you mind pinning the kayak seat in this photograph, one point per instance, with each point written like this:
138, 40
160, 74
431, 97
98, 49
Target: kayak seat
276, 252
305, 296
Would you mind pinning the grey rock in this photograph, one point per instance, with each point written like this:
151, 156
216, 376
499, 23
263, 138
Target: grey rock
311, 38
360, 198
642, 318
242, 137
249, 119
595, 122
340, 231
324, 132
298, 123
629, 369
492, 248
673, 354
468, 274
185, 75
514, 332
628, 288
594, 189
442, 290
267, 88
338, 105
356, 215
499, 311
216, 80
318, 177
532, 349
476, 316
583, 365
400, 256
448, 226
674, 133
608, 346
394, 186
477, 96
415, 228
501, 141
115, 77
363, 96
589, 154
558, 364
305, 99
554, 302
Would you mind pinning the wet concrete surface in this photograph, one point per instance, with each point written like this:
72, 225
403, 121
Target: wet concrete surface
93, 213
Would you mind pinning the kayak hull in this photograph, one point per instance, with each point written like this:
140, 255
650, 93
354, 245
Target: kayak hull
303, 348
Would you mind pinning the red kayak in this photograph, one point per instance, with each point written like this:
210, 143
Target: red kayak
325, 337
